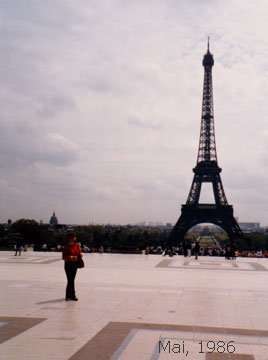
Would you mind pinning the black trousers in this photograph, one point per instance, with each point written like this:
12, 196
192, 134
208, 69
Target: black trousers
17, 251
70, 270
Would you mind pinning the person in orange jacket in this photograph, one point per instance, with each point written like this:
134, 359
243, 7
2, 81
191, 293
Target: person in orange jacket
70, 254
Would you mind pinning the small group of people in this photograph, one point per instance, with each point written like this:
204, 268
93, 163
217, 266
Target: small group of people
189, 249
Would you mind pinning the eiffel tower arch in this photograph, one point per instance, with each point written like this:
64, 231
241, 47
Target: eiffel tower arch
206, 170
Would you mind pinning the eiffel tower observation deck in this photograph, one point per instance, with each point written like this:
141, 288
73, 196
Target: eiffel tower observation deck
206, 170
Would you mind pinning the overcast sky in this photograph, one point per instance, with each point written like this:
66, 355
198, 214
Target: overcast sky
100, 105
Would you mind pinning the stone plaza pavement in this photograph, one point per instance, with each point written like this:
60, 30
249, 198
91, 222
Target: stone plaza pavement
134, 307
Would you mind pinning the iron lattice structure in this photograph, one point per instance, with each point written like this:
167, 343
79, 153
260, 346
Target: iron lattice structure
206, 171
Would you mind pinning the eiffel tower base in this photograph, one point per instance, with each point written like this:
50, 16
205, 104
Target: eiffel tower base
191, 215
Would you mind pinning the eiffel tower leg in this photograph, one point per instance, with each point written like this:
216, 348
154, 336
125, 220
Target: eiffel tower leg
184, 223
195, 190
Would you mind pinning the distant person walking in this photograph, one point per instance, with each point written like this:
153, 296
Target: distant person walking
228, 252
196, 249
72, 257
18, 247
184, 246
189, 248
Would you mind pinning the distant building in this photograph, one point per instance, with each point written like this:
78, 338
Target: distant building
155, 223
169, 225
248, 227
53, 220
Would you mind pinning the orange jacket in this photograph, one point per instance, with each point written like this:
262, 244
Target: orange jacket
71, 252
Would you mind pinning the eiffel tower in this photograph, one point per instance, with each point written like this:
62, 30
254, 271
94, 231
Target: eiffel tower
206, 170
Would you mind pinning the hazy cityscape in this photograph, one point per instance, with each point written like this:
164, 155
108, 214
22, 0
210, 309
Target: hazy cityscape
150, 237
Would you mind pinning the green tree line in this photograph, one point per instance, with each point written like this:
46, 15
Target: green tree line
114, 237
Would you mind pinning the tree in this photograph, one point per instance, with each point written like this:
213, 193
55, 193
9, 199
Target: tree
28, 228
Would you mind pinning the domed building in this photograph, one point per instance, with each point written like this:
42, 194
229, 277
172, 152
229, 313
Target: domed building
53, 220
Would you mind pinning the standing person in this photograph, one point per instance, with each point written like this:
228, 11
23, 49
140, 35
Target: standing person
18, 247
189, 248
71, 254
184, 245
232, 251
196, 249
227, 252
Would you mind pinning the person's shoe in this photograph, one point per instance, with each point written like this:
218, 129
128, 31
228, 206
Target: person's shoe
74, 299
67, 299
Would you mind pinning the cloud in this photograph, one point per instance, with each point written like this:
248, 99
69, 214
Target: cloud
135, 121
23, 145
101, 102
51, 106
